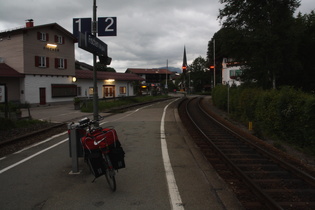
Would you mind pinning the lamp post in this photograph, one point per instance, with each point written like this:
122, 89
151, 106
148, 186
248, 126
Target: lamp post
228, 97
166, 76
213, 62
189, 90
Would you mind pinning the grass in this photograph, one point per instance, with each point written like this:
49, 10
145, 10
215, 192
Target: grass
7, 124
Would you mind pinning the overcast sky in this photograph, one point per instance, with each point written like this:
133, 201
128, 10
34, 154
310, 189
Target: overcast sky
149, 32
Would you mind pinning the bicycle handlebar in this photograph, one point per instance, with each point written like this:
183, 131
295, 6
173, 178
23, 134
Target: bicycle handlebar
85, 122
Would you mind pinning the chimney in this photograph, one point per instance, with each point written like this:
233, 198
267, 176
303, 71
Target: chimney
29, 23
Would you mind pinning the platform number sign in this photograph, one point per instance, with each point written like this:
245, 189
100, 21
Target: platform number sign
107, 26
83, 25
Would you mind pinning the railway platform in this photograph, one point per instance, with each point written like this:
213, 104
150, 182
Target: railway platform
38, 178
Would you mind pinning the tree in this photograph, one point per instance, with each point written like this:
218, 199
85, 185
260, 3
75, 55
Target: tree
103, 67
229, 43
267, 32
197, 74
305, 25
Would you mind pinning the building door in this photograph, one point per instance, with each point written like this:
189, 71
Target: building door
42, 96
109, 91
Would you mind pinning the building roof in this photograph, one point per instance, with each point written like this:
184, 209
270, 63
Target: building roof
83, 66
148, 71
102, 75
7, 71
51, 25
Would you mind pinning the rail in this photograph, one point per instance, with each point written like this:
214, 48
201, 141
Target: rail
276, 183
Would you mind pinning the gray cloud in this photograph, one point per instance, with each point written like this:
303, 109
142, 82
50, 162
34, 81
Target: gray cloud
148, 32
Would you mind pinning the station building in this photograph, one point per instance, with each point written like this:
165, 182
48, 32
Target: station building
37, 66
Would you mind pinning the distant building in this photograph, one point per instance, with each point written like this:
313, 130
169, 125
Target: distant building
152, 77
109, 84
231, 72
44, 55
37, 65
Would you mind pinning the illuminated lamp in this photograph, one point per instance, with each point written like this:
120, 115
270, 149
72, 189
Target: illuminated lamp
74, 79
110, 80
51, 46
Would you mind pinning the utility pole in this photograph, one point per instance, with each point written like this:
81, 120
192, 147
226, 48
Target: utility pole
213, 62
95, 90
166, 85
184, 67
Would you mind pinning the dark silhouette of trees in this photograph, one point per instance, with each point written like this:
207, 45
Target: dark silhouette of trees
277, 47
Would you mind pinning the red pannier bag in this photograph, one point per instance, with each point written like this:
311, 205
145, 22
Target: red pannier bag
109, 134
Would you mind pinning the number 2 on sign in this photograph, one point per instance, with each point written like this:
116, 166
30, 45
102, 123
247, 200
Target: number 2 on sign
111, 22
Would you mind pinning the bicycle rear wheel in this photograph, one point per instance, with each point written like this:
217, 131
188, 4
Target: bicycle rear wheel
110, 174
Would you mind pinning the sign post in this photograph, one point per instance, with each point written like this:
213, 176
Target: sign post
95, 91
85, 29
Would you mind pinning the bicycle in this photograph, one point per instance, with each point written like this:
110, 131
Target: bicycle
100, 150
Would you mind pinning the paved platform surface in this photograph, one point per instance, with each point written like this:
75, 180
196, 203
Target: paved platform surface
38, 178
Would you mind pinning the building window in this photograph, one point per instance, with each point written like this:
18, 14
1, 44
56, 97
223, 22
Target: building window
235, 74
63, 90
42, 36
90, 91
122, 90
60, 63
59, 39
42, 61
79, 91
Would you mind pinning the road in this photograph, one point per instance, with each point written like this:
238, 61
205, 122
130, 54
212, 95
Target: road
38, 177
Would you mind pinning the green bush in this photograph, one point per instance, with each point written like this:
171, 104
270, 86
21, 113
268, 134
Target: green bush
308, 122
219, 96
6, 124
286, 114
248, 100
265, 113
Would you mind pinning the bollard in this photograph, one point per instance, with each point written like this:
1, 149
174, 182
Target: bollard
250, 126
74, 152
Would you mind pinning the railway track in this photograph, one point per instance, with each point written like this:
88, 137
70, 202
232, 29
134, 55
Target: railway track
259, 178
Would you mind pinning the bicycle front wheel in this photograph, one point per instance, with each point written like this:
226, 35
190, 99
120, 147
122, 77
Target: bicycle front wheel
110, 174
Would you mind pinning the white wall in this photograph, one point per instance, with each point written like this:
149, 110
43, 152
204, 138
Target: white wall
86, 84
226, 74
32, 83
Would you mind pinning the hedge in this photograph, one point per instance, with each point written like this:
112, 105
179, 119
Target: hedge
286, 114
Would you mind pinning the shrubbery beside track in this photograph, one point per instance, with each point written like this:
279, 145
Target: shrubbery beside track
286, 114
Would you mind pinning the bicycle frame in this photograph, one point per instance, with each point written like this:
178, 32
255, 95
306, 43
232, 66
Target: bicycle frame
109, 169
